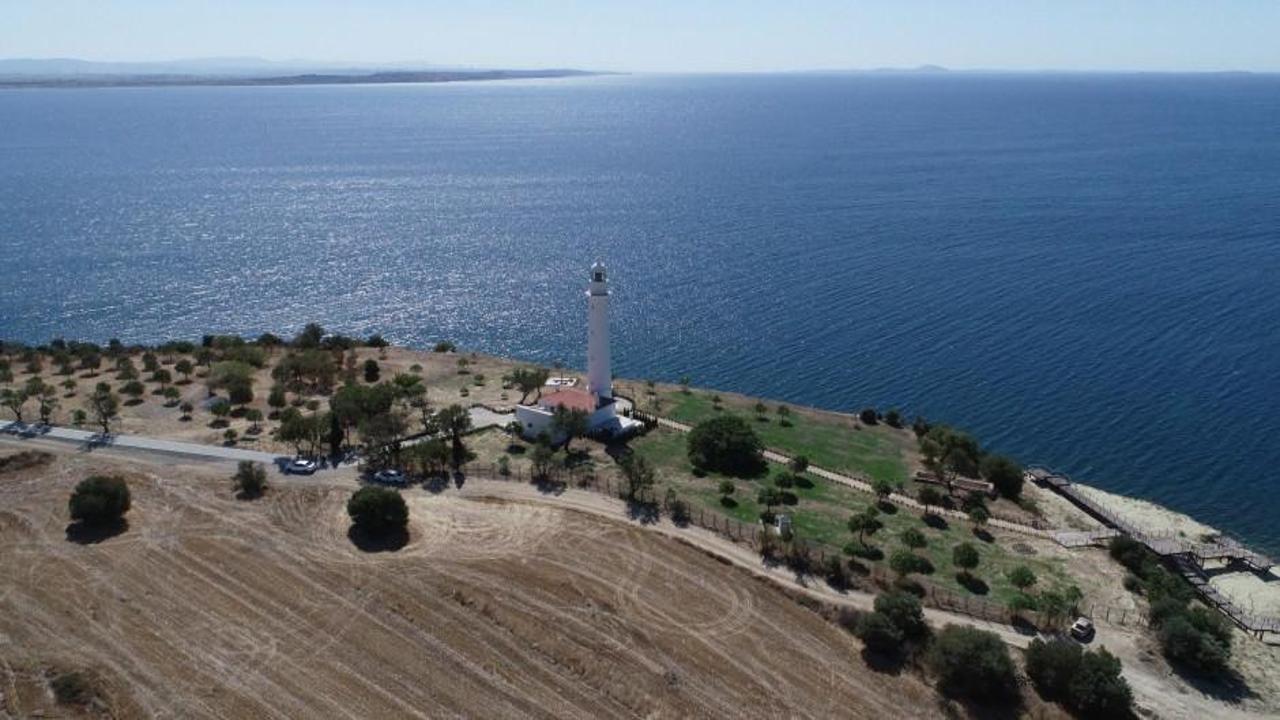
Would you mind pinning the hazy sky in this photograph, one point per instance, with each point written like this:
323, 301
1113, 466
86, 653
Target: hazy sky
663, 35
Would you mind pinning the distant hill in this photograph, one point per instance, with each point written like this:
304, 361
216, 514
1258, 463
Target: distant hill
71, 72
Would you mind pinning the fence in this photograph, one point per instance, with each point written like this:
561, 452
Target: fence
813, 556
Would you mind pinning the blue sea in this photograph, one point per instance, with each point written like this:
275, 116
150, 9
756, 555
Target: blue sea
1083, 270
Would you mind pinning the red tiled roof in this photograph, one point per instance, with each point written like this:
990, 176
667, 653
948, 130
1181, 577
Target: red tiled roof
571, 398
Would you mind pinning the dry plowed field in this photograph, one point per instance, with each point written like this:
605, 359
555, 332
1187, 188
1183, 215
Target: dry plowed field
211, 607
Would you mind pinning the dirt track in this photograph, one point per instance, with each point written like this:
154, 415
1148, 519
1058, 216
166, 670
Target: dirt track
211, 607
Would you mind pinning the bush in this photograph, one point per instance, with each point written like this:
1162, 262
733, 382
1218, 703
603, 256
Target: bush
1052, 665
378, 510
904, 611
972, 663
1089, 683
879, 634
1098, 690
869, 416
1004, 473
726, 444
371, 371
250, 480
99, 500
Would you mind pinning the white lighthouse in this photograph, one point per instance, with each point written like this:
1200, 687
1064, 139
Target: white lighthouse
596, 399
599, 376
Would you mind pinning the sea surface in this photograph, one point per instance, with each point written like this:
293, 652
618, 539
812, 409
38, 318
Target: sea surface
1082, 270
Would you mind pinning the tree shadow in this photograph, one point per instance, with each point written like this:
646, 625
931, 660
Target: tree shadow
887, 507
937, 522
646, 513
883, 663
803, 482
1024, 626
983, 535
83, 533
1229, 687
372, 542
246, 495
728, 502
435, 484
548, 486
972, 583
131, 402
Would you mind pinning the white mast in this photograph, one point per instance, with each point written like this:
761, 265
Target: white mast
599, 376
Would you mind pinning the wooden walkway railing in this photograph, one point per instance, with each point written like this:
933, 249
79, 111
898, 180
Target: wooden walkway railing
1188, 556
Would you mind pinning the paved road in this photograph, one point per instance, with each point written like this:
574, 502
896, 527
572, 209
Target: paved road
91, 440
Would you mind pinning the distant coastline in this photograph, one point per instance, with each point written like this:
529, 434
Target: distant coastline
374, 78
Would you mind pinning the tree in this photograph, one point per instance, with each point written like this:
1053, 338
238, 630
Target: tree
762, 410
14, 400
172, 395
972, 663
378, 511
455, 421
162, 376
432, 456
965, 557
99, 500
883, 489
879, 634
529, 379
220, 409
684, 383
979, 516
1098, 689
1022, 577
865, 522
105, 406
893, 418
277, 399
905, 562
230, 436
904, 611
310, 336
1191, 647
726, 443
799, 464
184, 368
571, 422
376, 341
869, 416
91, 362
371, 371
186, 408
254, 416
1004, 474
638, 474
134, 389
48, 399
543, 459
70, 386
929, 497
1052, 665
78, 417
913, 538
250, 480
444, 346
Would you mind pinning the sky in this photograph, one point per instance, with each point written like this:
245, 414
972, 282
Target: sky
663, 35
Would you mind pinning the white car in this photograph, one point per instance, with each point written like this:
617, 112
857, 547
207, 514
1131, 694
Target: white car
389, 477
302, 466
1082, 629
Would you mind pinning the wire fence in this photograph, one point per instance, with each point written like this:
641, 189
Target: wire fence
808, 559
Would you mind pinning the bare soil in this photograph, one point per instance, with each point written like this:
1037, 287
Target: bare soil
226, 608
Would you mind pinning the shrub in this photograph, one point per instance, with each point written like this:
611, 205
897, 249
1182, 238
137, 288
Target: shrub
99, 500
1098, 690
879, 634
378, 510
904, 611
250, 479
1022, 577
726, 444
1052, 665
893, 418
1004, 473
869, 416
371, 371
972, 663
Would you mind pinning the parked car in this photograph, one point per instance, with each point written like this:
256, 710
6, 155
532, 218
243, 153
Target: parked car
1082, 629
302, 466
389, 477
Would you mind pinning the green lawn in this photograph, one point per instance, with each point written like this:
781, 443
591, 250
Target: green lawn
829, 441
821, 515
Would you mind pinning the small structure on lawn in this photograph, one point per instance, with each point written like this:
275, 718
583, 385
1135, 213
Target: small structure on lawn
596, 400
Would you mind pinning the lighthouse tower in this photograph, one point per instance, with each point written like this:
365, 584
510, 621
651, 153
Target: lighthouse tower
599, 376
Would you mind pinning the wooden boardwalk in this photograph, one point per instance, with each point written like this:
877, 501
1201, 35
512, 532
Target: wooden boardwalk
1188, 556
